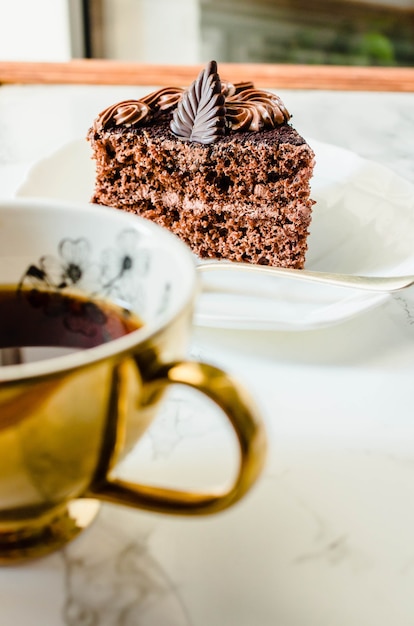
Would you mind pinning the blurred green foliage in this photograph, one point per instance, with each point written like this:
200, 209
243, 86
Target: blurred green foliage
384, 44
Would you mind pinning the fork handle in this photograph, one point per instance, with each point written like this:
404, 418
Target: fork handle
383, 284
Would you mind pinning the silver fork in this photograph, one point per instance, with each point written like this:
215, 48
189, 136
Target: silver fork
385, 284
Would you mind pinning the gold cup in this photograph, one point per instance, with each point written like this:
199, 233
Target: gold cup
66, 422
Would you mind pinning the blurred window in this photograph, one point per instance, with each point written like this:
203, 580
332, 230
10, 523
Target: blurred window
338, 32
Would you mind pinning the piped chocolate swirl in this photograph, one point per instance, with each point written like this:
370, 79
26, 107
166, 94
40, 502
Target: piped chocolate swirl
136, 112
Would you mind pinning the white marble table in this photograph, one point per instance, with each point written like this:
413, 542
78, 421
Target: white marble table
327, 536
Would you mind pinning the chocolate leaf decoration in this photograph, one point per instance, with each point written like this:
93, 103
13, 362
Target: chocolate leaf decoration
201, 115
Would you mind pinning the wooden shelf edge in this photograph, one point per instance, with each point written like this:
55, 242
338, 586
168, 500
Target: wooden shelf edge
272, 76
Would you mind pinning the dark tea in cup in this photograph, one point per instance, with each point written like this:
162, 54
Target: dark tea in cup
56, 319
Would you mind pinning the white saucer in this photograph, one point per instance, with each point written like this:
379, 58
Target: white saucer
363, 223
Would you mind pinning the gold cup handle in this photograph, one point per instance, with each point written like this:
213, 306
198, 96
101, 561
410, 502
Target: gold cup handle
230, 396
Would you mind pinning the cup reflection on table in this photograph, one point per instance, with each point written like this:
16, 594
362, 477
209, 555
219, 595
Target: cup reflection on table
115, 293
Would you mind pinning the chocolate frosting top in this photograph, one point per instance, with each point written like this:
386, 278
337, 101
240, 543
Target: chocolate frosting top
204, 112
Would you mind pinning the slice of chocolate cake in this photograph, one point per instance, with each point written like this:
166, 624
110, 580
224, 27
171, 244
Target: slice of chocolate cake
218, 165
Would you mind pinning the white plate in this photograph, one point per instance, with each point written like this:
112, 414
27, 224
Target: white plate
363, 223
